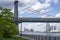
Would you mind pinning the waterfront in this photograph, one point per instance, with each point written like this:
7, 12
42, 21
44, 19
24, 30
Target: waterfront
41, 36
55, 34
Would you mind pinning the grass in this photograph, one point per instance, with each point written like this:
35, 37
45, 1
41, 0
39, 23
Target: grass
14, 38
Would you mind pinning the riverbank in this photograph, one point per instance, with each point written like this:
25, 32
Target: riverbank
14, 38
18, 38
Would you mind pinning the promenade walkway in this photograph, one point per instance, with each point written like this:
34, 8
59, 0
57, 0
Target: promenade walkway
25, 37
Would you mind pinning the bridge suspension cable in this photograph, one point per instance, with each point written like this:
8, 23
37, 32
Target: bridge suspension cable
35, 11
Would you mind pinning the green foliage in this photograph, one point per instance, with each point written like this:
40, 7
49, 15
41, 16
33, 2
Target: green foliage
7, 26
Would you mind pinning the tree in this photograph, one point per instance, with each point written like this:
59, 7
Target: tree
7, 25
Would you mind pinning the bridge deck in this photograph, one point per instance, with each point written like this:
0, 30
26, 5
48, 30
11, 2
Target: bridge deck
38, 20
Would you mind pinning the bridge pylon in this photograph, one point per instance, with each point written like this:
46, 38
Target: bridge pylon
16, 12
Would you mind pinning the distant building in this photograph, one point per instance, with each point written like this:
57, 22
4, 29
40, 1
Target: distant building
31, 29
48, 29
54, 27
51, 27
26, 29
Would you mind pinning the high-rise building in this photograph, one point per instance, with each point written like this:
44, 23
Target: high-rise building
26, 29
54, 27
48, 29
51, 27
31, 29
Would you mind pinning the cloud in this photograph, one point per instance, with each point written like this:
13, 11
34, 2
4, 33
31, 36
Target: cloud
10, 3
27, 3
32, 4
45, 10
12, 10
47, 1
7, 0
6, 4
57, 15
50, 1
56, 1
38, 6
42, 8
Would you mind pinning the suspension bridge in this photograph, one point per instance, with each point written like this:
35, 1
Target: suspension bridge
41, 36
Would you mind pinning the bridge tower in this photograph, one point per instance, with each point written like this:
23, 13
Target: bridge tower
16, 11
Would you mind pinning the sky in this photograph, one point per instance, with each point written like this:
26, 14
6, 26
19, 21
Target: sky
35, 8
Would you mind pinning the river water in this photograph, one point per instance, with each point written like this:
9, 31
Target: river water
43, 33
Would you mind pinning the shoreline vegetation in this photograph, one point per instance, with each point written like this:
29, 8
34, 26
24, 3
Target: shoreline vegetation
8, 28
14, 38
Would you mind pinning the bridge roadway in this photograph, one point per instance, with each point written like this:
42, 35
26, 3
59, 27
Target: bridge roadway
41, 36
37, 20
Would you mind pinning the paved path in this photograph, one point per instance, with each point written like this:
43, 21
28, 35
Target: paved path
25, 37
28, 38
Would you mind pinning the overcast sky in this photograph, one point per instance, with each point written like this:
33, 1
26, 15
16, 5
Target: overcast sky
35, 8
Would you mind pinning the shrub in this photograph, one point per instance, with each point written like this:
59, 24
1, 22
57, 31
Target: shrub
7, 25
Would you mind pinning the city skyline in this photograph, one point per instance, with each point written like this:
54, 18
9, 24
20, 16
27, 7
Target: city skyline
38, 26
